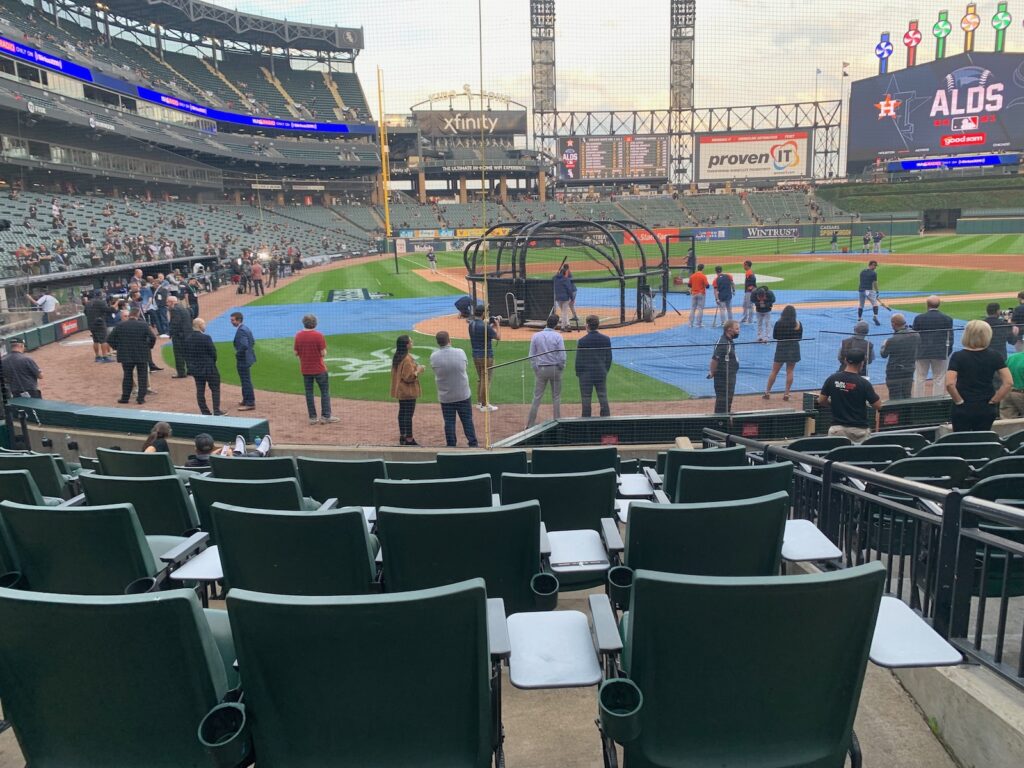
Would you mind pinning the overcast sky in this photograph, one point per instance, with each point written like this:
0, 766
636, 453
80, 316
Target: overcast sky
614, 55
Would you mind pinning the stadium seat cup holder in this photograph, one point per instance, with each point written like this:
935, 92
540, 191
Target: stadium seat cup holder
620, 586
142, 586
10, 580
545, 591
224, 733
619, 703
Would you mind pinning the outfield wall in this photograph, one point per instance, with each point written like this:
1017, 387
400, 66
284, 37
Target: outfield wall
990, 226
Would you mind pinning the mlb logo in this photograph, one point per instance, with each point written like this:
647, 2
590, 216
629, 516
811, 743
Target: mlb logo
891, 419
609, 439
964, 123
750, 429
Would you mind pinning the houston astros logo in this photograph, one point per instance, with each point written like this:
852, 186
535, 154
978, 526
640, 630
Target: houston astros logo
785, 155
888, 107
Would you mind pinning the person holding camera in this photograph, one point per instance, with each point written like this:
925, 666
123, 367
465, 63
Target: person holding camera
481, 339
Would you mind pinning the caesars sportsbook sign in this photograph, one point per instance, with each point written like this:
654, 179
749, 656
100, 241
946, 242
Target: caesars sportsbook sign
759, 155
438, 123
972, 103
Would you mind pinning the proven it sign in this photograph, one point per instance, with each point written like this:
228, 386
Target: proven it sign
760, 155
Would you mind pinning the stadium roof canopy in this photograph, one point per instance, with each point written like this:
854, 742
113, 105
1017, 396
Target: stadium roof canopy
224, 23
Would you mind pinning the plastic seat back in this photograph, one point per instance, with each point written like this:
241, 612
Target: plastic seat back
162, 504
77, 550
1001, 487
551, 461
868, 453
980, 436
493, 463
568, 502
698, 485
18, 486
151, 656
708, 457
282, 493
431, 548
350, 482
701, 649
912, 441
412, 470
819, 444
1005, 465
1014, 441
424, 653
134, 463
972, 452
43, 468
294, 553
253, 468
456, 493
727, 538
931, 470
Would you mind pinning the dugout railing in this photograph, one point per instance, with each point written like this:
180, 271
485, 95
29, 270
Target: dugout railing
956, 559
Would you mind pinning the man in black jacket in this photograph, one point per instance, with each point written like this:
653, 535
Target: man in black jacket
593, 361
180, 326
1003, 334
96, 316
133, 340
936, 329
202, 364
901, 351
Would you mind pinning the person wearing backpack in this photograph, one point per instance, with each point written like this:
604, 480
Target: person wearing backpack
763, 299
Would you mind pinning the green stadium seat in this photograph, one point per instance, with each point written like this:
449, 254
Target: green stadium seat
425, 654
701, 650
940, 471
700, 485
1005, 465
282, 493
976, 454
1005, 489
861, 455
350, 482
432, 548
44, 470
412, 470
84, 550
820, 444
1014, 441
253, 468
985, 436
295, 553
494, 463
139, 464
708, 457
18, 486
162, 504
133, 676
551, 461
912, 441
578, 510
452, 493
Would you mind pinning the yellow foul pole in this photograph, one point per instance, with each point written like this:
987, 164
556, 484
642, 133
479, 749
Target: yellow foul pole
385, 164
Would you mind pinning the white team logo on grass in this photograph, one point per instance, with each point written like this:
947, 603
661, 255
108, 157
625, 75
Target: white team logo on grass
358, 369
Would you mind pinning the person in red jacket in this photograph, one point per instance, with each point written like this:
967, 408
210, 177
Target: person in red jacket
311, 348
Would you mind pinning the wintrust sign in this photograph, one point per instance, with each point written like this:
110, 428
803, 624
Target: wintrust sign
731, 156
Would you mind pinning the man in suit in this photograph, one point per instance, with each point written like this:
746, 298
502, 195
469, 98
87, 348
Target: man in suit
901, 351
133, 341
202, 364
593, 361
180, 326
96, 317
936, 329
245, 358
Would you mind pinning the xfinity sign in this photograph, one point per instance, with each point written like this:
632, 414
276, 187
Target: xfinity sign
760, 155
439, 123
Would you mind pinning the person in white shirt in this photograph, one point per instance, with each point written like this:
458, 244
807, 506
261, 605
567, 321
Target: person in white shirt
547, 355
46, 304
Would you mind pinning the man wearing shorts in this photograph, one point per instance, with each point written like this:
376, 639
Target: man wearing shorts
868, 289
698, 295
849, 394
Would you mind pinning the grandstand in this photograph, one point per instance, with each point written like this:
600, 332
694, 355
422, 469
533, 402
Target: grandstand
655, 211
408, 215
464, 216
779, 207
716, 210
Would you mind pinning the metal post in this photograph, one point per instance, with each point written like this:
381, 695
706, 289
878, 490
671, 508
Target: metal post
828, 522
954, 573
852, 217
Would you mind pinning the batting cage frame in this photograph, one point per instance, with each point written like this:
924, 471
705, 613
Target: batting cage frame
497, 267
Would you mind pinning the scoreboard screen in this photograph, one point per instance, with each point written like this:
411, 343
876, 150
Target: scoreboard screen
584, 159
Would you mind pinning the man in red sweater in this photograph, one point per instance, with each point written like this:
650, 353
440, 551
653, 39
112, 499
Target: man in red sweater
310, 348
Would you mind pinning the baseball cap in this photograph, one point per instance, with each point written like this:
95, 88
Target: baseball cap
16, 341
204, 443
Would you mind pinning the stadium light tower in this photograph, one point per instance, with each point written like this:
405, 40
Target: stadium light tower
542, 71
683, 20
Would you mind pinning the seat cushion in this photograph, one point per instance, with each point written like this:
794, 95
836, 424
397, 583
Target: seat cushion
52, 501
578, 558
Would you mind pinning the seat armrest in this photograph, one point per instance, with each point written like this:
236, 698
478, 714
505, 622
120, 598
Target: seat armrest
606, 630
497, 629
545, 542
74, 501
860, 485
191, 546
612, 539
661, 497
328, 505
652, 477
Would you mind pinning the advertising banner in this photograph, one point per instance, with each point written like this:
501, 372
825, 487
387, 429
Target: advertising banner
840, 230
644, 238
969, 103
586, 158
705, 235
770, 233
760, 155
473, 232
439, 123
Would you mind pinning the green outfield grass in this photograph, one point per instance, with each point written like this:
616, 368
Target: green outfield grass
278, 370
964, 310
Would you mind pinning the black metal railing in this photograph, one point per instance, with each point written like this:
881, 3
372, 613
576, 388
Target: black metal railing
956, 559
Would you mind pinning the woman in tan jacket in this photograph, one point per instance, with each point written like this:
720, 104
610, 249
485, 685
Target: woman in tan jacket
405, 387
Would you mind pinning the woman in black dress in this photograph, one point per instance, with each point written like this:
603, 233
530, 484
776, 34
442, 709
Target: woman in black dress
787, 334
972, 377
156, 442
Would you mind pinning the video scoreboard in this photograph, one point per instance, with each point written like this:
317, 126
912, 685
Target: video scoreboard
584, 159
